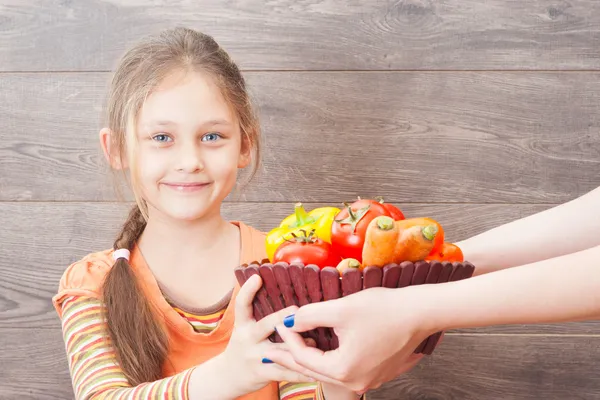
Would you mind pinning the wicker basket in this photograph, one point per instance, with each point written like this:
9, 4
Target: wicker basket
286, 285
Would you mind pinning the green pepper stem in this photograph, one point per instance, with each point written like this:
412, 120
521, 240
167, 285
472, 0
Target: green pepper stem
302, 217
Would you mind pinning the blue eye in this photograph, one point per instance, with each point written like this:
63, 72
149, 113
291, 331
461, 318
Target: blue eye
162, 138
211, 137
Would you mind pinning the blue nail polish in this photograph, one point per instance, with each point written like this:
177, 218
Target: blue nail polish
289, 321
267, 361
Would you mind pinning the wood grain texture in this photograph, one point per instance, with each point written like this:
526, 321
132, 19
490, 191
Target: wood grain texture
503, 367
463, 367
412, 137
313, 34
39, 240
34, 364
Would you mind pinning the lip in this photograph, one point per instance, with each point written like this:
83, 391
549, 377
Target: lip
186, 186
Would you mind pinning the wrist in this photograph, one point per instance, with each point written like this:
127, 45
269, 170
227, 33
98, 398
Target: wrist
234, 382
207, 381
433, 306
329, 391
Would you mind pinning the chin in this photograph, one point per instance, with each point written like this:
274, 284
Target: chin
188, 208
188, 212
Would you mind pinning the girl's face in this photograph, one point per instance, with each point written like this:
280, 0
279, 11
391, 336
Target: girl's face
189, 148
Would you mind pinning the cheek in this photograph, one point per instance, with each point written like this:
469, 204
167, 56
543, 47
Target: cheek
222, 166
150, 166
224, 161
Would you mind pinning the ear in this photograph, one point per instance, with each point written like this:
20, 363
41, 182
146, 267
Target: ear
245, 154
110, 152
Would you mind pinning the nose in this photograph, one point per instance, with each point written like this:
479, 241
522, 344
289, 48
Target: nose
189, 159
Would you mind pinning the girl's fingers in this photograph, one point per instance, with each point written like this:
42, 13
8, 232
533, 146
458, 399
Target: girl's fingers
243, 301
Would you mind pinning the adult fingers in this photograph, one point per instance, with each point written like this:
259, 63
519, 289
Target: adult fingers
410, 363
315, 315
266, 326
325, 363
281, 356
279, 373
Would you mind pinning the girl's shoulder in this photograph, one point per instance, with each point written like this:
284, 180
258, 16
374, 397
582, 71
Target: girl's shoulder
84, 277
255, 233
253, 243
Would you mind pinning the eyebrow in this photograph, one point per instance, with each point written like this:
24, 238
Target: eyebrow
211, 122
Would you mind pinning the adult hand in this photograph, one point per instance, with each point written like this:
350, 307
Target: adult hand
378, 330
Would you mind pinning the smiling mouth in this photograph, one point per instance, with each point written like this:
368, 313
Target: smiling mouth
185, 186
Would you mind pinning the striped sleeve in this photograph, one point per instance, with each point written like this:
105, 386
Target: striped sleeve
319, 395
95, 373
297, 391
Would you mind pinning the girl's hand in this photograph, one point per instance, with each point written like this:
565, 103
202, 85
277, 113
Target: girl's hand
244, 359
378, 331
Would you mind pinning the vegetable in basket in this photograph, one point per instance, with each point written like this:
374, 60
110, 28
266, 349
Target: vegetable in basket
449, 252
306, 249
319, 220
388, 241
350, 225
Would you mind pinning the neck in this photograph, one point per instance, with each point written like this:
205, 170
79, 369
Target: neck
176, 240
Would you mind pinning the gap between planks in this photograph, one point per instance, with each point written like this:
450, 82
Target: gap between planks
575, 335
273, 202
308, 71
446, 333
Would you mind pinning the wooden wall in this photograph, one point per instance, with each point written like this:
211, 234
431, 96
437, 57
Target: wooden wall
473, 112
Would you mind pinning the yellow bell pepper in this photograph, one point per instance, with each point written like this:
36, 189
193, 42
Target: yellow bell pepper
319, 219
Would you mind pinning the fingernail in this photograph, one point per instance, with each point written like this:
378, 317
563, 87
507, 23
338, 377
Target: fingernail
289, 321
266, 361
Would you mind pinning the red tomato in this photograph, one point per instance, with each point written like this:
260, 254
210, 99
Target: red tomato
448, 252
394, 211
349, 227
307, 250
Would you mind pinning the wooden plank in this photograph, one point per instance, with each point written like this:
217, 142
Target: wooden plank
463, 367
34, 364
413, 137
315, 34
503, 367
39, 240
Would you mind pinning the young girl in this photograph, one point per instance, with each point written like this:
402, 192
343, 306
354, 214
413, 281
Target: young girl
154, 316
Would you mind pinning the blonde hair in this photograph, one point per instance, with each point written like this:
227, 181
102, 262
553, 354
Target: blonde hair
138, 337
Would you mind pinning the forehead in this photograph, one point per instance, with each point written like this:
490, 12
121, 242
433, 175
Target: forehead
186, 97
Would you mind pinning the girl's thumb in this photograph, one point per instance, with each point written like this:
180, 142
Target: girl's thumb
243, 301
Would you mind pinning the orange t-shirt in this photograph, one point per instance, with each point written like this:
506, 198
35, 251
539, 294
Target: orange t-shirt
187, 348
